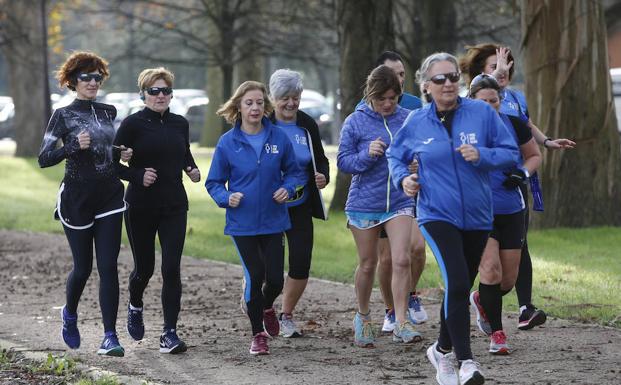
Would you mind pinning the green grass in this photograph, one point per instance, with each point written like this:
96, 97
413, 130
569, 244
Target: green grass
577, 273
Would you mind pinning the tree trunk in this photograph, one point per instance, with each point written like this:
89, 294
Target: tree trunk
24, 35
365, 31
213, 123
565, 54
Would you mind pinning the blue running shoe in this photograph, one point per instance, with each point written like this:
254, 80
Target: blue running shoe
170, 342
416, 311
110, 346
135, 324
70, 332
364, 333
405, 333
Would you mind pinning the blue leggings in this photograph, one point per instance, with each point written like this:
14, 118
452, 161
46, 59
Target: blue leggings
458, 254
106, 232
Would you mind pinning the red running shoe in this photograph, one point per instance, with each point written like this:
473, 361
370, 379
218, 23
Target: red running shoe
259, 347
498, 343
270, 322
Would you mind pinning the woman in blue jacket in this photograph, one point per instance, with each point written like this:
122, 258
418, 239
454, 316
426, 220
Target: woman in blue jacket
456, 142
373, 203
253, 173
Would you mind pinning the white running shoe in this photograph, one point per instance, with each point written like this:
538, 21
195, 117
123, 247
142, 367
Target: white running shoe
470, 373
445, 364
389, 321
288, 329
416, 310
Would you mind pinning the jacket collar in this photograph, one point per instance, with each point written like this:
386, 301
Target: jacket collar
81, 104
432, 112
150, 114
238, 134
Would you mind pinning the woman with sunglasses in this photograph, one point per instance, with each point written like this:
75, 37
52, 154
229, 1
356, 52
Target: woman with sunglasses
373, 204
493, 59
157, 200
456, 142
90, 199
498, 269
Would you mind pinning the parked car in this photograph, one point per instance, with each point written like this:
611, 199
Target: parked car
615, 75
7, 112
195, 114
319, 108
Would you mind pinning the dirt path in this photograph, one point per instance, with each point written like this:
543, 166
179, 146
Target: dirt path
33, 269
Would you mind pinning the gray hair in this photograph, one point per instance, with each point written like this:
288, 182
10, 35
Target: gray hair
285, 82
422, 75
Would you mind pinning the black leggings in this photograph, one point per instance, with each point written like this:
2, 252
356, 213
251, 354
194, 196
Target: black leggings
170, 225
300, 240
458, 254
106, 232
262, 257
524, 282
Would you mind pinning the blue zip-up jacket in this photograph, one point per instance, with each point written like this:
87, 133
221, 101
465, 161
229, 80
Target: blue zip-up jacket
235, 163
452, 189
371, 188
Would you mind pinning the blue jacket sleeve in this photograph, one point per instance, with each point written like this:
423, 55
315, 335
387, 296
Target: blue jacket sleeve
219, 174
348, 159
293, 174
400, 155
503, 151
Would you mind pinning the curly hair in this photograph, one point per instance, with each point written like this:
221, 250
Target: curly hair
77, 63
381, 80
473, 62
230, 110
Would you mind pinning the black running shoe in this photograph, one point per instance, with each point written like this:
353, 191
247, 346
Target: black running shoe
135, 324
531, 317
170, 343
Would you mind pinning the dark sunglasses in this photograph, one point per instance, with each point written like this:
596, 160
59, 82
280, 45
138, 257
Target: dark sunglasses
88, 77
483, 81
154, 91
440, 79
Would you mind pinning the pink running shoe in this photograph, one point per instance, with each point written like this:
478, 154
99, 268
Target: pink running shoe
259, 347
498, 343
270, 322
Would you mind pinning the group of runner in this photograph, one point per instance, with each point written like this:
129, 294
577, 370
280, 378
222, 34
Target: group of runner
453, 173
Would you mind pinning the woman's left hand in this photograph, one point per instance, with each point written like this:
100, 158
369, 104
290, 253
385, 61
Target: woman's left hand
320, 180
469, 152
126, 153
281, 195
194, 174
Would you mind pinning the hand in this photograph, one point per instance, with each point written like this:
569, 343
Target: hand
150, 175
320, 180
413, 167
555, 144
235, 198
193, 173
515, 178
84, 139
410, 185
281, 195
376, 148
469, 152
502, 64
126, 153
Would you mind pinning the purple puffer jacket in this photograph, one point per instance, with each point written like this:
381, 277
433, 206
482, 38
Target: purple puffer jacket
371, 188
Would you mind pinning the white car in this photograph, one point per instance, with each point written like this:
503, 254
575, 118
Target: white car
615, 75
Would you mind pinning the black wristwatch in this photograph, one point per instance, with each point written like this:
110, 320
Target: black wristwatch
546, 141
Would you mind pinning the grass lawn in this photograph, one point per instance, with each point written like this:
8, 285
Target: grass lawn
577, 272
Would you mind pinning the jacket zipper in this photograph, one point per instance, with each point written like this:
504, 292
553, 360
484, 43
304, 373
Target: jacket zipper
461, 192
389, 175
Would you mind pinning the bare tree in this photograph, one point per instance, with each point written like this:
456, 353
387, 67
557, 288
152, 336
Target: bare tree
566, 68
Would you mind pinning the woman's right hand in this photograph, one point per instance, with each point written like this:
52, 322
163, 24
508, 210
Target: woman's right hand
410, 185
150, 175
235, 198
84, 139
376, 148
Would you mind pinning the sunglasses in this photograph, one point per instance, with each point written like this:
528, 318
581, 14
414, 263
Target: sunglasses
440, 79
154, 91
88, 77
476, 86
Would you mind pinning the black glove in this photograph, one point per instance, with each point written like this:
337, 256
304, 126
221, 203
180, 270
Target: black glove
515, 178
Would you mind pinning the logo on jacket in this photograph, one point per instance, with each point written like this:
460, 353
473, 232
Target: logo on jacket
427, 141
300, 139
271, 148
468, 138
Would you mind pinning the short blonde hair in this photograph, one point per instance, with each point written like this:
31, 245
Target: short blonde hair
149, 76
230, 109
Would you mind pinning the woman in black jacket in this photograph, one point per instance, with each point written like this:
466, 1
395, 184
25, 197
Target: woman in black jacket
157, 200
285, 92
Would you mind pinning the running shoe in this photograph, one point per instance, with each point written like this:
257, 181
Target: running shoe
445, 364
364, 333
470, 373
259, 347
270, 322
110, 346
530, 317
405, 333
389, 321
135, 324
288, 329
70, 332
416, 310
498, 343
482, 321
170, 342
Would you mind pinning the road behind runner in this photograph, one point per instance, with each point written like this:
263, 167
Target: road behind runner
34, 267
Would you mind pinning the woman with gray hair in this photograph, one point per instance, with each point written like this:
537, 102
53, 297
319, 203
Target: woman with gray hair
456, 142
285, 91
